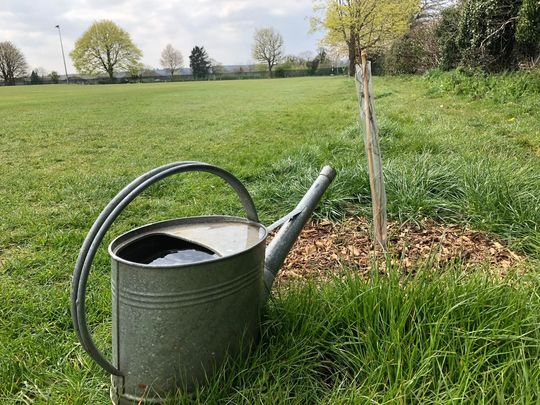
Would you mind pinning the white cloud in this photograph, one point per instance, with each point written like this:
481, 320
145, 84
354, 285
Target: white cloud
224, 27
89, 15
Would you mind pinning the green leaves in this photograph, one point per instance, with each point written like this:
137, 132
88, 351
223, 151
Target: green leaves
199, 62
105, 48
371, 22
528, 25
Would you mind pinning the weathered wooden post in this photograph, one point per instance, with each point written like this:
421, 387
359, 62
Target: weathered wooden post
373, 153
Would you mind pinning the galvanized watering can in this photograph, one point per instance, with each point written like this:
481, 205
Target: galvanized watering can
185, 292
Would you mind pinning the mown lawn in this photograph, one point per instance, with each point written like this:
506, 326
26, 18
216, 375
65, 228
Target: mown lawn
66, 151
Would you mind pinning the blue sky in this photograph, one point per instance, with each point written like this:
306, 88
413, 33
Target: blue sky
224, 27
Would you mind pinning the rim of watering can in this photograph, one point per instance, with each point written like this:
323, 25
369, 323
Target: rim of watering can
111, 248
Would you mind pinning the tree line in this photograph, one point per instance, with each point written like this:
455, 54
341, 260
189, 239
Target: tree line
412, 36
405, 36
106, 48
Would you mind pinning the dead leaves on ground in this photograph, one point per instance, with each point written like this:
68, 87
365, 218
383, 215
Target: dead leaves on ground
325, 248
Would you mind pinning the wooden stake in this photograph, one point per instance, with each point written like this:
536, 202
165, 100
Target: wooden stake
373, 153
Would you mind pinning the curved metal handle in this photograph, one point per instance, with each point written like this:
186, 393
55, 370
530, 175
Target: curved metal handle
105, 220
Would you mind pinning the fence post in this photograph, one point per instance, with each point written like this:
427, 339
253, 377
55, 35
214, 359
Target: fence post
373, 153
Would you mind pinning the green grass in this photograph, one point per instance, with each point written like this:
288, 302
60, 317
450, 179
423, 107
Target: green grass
429, 339
66, 151
476, 84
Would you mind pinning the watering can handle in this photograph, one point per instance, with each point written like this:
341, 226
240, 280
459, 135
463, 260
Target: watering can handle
105, 220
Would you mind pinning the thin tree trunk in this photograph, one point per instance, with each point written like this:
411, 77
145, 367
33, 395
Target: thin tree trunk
352, 54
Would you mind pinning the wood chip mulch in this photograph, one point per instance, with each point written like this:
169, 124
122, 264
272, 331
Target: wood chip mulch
325, 248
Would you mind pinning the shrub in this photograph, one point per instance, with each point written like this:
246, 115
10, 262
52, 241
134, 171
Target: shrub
528, 29
279, 71
54, 77
415, 52
494, 35
445, 32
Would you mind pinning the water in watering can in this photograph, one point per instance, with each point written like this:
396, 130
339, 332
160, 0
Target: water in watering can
184, 256
165, 250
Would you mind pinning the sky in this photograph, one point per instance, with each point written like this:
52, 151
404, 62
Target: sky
224, 27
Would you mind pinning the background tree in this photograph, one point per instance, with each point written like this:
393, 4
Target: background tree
34, 77
492, 35
528, 30
42, 72
12, 63
334, 57
55, 77
312, 65
415, 52
418, 49
353, 25
305, 56
486, 35
199, 62
171, 59
316, 62
135, 72
431, 9
148, 71
105, 47
217, 67
295, 61
267, 47
445, 33
322, 55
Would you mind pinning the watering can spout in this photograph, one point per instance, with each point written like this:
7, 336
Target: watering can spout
291, 226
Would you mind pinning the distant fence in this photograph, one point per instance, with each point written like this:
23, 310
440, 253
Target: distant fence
277, 73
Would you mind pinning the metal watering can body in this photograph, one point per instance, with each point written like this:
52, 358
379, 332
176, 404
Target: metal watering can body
186, 292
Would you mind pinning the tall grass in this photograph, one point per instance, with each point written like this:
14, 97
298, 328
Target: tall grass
491, 193
477, 84
435, 338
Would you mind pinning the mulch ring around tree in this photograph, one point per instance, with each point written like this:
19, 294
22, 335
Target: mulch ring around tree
326, 248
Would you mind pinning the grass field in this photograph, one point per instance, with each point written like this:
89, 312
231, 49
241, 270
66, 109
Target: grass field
66, 151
